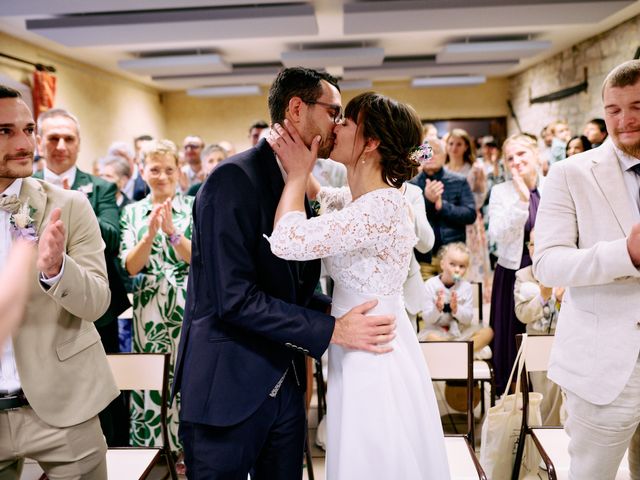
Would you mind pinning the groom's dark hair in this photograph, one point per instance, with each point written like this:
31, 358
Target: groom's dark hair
304, 83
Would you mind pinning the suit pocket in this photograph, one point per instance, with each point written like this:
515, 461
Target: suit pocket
81, 342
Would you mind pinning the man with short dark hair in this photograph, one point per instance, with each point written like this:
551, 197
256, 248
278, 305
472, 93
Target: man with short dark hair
255, 130
191, 149
596, 132
54, 375
588, 240
251, 316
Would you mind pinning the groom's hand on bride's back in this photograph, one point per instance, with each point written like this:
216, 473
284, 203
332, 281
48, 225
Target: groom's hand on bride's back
371, 333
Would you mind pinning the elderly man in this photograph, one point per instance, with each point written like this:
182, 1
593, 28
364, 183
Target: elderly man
54, 375
588, 239
59, 137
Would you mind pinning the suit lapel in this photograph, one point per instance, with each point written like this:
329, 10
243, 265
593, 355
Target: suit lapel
33, 193
608, 175
81, 180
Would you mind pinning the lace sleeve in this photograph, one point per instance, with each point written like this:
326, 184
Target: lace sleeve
331, 198
362, 224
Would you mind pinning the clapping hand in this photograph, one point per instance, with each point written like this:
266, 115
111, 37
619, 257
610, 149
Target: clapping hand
167, 217
297, 159
433, 191
51, 246
521, 187
633, 245
440, 300
15, 281
453, 302
155, 221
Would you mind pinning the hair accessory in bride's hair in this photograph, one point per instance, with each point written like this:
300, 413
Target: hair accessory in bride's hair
422, 153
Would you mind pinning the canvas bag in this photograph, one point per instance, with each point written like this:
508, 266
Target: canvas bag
502, 425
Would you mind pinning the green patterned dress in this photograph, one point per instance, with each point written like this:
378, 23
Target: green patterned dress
159, 293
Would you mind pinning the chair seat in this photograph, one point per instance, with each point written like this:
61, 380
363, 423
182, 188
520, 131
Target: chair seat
555, 442
481, 370
461, 465
130, 463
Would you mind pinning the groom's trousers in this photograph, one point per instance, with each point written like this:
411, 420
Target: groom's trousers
269, 444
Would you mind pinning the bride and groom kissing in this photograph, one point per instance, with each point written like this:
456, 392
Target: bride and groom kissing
252, 312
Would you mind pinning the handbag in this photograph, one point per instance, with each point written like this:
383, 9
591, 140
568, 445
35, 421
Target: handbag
502, 425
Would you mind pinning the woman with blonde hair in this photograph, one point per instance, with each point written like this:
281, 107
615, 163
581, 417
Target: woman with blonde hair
156, 251
512, 215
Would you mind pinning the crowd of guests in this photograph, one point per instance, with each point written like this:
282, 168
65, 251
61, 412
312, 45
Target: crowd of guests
475, 216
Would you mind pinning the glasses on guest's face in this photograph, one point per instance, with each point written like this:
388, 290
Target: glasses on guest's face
192, 146
334, 110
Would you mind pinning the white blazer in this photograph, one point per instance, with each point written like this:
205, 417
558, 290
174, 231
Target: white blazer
507, 217
414, 292
580, 243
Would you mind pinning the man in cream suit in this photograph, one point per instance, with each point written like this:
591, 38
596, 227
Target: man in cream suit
588, 239
54, 375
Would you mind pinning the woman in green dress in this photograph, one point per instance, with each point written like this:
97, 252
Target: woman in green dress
156, 251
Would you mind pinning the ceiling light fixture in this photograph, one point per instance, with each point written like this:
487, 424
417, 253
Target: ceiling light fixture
448, 81
225, 91
482, 51
333, 57
176, 64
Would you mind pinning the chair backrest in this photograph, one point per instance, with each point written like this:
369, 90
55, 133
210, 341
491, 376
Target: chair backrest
453, 360
537, 353
476, 291
140, 371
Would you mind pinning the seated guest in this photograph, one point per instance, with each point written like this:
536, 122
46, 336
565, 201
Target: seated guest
117, 170
449, 311
211, 156
156, 250
578, 144
537, 306
596, 132
449, 204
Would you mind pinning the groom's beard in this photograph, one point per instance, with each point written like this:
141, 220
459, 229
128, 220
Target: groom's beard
326, 145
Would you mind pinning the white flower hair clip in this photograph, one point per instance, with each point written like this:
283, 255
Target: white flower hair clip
422, 153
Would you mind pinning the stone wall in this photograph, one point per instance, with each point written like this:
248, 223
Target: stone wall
598, 54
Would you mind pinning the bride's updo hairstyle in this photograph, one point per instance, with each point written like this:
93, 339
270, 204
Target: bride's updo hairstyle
398, 129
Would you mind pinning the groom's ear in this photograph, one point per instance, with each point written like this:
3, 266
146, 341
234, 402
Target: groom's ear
295, 109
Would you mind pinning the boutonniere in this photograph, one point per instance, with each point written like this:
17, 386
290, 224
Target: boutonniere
22, 223
86, 189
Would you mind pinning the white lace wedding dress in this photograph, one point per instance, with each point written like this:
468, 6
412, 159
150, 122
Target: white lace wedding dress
382, 415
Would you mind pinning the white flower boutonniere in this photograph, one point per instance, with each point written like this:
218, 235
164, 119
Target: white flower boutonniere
22, 223
86, 189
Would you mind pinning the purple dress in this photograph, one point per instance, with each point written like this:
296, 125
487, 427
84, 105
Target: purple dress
503, 315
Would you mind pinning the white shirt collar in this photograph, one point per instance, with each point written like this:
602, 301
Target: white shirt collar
284, 174
626, 161
14, 188
55, 179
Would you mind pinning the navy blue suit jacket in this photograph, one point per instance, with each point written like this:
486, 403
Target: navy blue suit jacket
248, 315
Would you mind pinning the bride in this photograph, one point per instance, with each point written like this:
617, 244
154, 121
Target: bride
382, 417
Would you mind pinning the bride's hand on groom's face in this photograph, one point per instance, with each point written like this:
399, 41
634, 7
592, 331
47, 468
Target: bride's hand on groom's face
297, 159
370, 333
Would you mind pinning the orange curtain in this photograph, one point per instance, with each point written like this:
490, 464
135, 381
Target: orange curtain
44, 91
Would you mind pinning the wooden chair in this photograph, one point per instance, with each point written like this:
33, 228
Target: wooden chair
454, 361
141, 371
551, 442
482, 369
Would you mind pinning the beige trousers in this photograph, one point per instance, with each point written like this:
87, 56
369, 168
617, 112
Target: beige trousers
72, 453
600, 434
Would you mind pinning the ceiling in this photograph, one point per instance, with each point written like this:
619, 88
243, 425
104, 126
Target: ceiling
189, 44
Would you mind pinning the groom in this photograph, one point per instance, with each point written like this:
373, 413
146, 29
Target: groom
250, 316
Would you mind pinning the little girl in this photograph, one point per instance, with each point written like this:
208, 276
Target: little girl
449, 310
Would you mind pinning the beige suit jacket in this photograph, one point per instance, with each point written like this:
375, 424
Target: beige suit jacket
584, 217
61, 362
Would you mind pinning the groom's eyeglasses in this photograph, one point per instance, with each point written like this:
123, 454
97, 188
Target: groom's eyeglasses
334, 110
